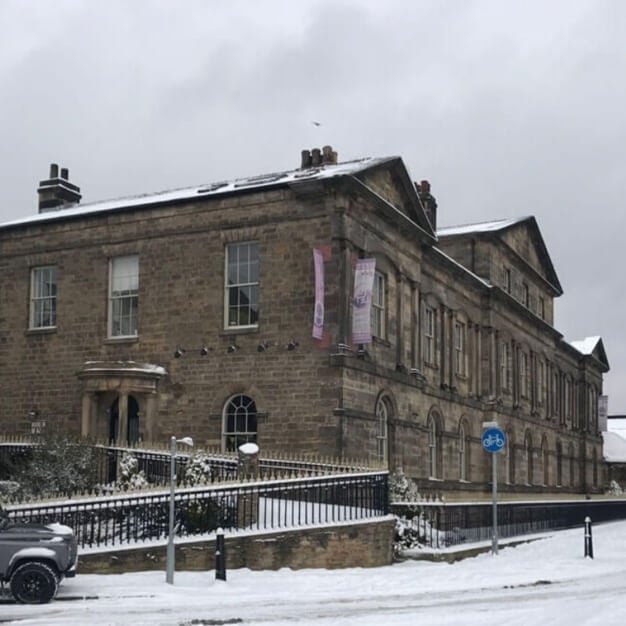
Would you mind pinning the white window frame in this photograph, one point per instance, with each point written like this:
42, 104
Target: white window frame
541, 382
432, 447
460, 349
241, 281
508, 280
505, 365
462, 453
244, 412
382, 422
429, 335
523, 374
123, 296
378, 310
43, 297
507, 459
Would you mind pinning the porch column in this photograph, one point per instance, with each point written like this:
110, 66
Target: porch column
122, 422
148, 425
85, 417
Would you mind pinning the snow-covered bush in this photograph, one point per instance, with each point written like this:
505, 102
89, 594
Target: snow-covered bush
402, 488
8, 490
406, 536
130, 476
615, 489
59, 465
198, 470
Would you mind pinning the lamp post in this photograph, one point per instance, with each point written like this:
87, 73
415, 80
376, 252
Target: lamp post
169, 574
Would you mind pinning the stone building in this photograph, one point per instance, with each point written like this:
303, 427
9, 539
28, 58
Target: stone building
190, 312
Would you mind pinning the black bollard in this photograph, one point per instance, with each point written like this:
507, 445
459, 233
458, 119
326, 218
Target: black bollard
588, 538
220, 556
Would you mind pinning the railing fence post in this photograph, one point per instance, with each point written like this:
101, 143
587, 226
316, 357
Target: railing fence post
588, 538
220, 555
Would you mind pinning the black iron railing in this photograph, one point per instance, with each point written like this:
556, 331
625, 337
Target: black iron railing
155, 465
440, 525
128, 518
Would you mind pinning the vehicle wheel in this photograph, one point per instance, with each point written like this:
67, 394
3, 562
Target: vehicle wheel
34, 583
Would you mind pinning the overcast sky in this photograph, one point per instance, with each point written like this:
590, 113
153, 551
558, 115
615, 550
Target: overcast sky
509, 108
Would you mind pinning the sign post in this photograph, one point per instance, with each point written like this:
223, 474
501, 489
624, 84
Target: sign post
493, 441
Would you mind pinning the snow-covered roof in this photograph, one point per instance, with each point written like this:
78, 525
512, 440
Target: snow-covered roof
481, 227
586, 345
462, 267
614, 449
201, 191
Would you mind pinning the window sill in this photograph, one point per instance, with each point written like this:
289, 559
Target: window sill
239, 330
115, 340
48, 330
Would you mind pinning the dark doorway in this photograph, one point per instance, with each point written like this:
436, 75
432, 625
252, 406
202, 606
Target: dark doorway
132, 434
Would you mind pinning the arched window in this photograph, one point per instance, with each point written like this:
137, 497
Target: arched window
239, 422
528, 458
462, 468
383, 411
559, 464
545, 461
509, 459
572, 465
434, 446
464, 452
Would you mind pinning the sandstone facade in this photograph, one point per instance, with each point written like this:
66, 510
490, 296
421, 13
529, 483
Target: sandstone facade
215, 301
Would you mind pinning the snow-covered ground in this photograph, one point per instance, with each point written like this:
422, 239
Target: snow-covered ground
547, 582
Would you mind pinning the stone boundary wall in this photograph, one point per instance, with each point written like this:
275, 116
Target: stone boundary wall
367, 544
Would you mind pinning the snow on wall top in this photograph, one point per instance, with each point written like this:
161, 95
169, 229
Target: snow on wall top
125, 366
481, 227
614, 449
586, 345
200, 191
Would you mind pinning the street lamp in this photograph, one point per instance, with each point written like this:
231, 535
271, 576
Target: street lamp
169, 574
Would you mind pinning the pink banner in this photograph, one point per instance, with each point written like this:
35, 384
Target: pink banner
362, 303
318, 314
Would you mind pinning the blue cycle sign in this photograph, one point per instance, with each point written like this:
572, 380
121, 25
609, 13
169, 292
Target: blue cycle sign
493, 440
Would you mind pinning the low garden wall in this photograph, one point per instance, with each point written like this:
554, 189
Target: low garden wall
359, 544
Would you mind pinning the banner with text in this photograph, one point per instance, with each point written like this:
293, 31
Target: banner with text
362, 302
318, 313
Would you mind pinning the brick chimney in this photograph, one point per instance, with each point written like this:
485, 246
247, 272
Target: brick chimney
57, 192
317, 157
428, 202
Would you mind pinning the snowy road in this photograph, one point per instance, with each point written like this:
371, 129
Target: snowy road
545, 583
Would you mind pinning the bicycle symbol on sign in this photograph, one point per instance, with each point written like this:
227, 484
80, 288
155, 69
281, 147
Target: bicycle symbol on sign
493, 440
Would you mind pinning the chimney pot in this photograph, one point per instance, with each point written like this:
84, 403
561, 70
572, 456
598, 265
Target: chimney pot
306, 159
57, 193
425, 186
316, 157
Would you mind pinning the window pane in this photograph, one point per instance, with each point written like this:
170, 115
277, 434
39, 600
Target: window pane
124, 301
242, 267
43, 297
240, 422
